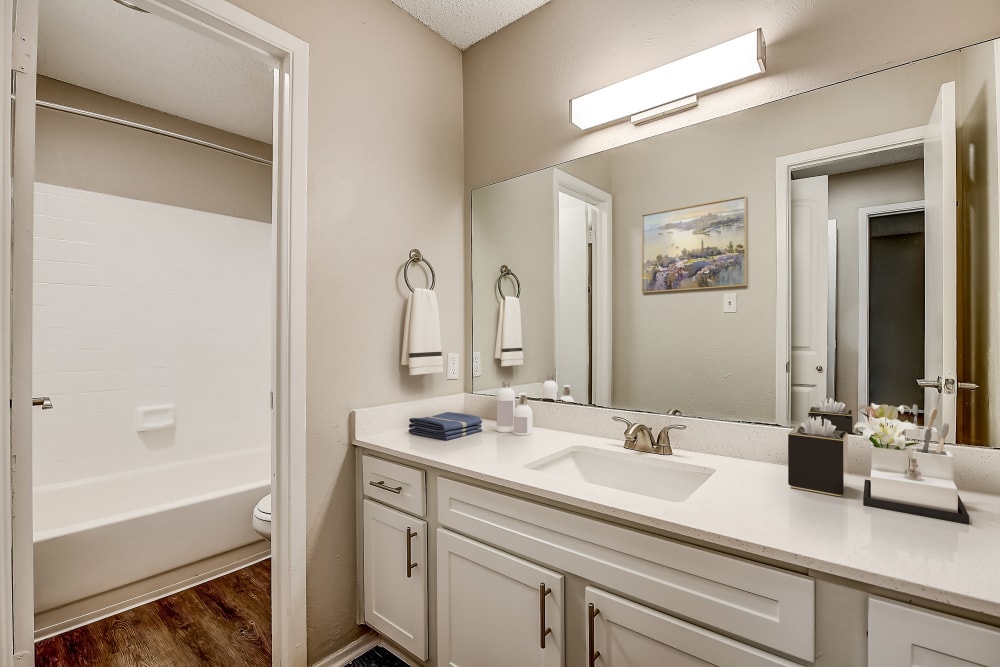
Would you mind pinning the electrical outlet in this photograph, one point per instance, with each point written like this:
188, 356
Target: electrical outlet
451, 373
477, 365
729, 302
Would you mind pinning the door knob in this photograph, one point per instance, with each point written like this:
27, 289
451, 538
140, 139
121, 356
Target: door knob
819, 369
948, 386
931, 384
43, 402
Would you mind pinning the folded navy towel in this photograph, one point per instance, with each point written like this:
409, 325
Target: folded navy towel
446, 421
441, 435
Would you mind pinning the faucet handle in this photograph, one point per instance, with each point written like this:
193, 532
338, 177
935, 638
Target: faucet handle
627, 423
663, 439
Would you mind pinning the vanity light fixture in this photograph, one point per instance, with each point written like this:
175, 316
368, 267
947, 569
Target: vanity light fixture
672, 87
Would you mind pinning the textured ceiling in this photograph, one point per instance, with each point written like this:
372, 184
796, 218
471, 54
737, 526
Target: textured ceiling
465, 22
141, 58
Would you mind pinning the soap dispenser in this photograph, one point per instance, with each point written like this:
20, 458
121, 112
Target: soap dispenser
566, 396
550, 389
522, 416
505, 409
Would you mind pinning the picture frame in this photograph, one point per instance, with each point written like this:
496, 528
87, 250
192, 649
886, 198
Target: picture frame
700, 247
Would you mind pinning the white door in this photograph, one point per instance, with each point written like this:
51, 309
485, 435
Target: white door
941, 206
809, 294
572, 317
494, 609
900, 635
395, 564
18, 185
621, 633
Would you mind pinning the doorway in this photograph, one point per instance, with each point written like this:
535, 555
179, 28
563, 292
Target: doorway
271, 45
583, 220
891, 328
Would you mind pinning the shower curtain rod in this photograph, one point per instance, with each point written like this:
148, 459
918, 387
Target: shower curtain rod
151, 129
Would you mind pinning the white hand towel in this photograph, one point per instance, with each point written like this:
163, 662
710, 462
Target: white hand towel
508, 349
422, 334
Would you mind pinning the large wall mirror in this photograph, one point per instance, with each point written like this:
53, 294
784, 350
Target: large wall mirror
643, 286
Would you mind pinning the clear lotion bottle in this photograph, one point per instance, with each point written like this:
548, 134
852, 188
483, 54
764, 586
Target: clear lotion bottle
522, 416
505, 409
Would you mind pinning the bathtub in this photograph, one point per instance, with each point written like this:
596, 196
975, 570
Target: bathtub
102, 533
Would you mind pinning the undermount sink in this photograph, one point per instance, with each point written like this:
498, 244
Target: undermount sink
646, 474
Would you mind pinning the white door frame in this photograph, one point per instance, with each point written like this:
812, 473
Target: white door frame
290, 56
864, 248
601, 284
784, 166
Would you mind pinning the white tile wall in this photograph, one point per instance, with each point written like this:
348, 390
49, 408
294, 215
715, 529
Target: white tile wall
139, 304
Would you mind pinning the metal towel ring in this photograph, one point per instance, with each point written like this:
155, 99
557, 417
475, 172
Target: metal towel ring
417, 256
505, 272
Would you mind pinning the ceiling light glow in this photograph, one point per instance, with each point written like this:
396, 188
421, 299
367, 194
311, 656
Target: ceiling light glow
707, 70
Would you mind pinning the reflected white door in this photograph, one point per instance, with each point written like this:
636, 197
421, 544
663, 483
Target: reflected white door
572, 317
941, 201
809, 294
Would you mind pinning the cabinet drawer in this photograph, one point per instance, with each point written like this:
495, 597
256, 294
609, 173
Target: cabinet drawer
762, 604
901, 635
393, 484
625, 633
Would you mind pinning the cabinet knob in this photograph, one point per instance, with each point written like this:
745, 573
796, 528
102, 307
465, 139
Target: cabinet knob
543, 628
409, 552
592, 655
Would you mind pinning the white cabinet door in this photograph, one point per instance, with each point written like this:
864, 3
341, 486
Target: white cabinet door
495, 610
621, 633
901, 635
395, 566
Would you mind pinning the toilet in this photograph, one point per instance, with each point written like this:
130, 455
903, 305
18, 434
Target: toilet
262, 517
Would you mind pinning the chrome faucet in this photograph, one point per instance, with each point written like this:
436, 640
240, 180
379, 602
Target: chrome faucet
639, 437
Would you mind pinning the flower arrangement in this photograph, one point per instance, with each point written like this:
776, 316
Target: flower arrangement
880, 425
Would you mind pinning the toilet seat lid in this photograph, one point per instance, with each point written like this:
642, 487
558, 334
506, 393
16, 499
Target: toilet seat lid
263, 508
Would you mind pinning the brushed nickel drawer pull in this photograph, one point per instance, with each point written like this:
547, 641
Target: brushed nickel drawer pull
592, 655
409, 552
543, 630
382, 485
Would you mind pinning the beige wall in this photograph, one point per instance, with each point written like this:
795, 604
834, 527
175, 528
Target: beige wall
519, 81
385, 175
89, 154
514, 226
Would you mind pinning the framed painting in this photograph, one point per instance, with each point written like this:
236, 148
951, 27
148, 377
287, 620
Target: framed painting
696, 247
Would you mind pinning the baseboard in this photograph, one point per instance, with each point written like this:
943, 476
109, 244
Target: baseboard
355, 649
82, 612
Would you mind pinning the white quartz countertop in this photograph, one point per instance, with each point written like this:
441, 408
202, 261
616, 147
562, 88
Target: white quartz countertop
748, 506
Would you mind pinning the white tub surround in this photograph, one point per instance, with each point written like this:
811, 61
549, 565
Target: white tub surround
95, 539
745, 506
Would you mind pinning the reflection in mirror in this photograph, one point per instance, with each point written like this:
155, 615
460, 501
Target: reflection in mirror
679, 350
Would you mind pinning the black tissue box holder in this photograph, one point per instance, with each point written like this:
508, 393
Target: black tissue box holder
842, 421
816, 462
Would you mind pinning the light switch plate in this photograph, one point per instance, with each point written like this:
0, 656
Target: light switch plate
477, 365
451, 373
729, 302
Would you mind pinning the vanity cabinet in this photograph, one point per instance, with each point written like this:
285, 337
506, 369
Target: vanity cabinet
495, 609
394, 553
901, 635
622, 633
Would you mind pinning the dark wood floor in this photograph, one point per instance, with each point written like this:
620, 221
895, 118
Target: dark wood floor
225, 622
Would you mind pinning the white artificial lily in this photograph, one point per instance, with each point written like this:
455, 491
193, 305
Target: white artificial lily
884, 432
